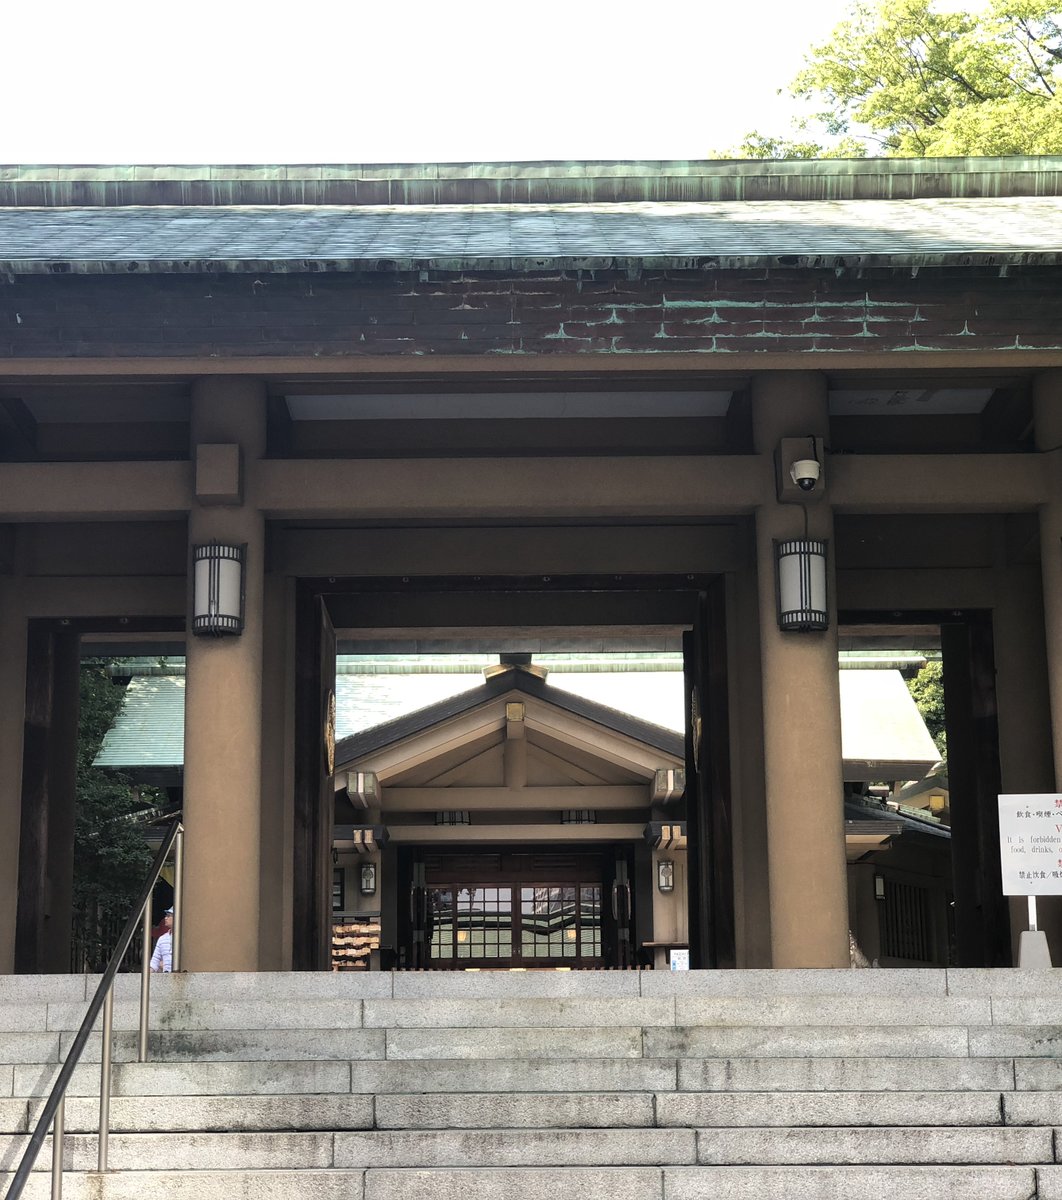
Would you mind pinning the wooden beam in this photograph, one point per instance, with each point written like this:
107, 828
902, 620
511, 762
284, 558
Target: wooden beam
515, 487
345, 366
125, 603
581, 734
513, 799
563, 550
431, 743
511, 835
944, 483
94, 491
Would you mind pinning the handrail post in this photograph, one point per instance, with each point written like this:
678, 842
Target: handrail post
58, 1131
178, 896
51, 1115
145, 986
105, 1078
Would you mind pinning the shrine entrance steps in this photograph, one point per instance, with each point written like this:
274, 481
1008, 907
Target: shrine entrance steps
920, 1085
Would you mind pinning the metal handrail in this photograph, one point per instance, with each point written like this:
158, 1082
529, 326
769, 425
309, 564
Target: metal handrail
103, 998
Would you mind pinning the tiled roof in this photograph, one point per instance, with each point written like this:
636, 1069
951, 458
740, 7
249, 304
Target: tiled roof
882, 730
349, 750
501, 236
881, 727
149, 728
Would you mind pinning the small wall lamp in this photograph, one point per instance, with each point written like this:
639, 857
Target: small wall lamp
879, 887
368, 879
218, 589
800, 569
665, 875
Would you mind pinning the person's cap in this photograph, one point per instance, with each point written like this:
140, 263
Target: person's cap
168, 912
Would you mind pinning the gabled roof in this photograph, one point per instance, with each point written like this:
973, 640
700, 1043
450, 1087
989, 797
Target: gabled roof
937, 782
857, 813
883, 735
359, 745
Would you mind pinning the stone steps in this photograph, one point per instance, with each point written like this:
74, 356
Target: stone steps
549, 1110
779, 1075
545, 1183
558, 1147
825, 1085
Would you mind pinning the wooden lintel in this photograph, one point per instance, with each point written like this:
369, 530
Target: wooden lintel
532, 488
945, 483
699, 366
512, 834
541, 799
94, 491
684, 486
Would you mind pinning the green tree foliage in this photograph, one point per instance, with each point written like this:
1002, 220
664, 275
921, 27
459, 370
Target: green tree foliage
111, 857
759, 145
927, 688
912, 78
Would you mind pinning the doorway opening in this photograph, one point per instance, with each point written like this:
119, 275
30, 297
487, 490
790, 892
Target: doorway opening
516, 823
924, 866
92, 804
535, 909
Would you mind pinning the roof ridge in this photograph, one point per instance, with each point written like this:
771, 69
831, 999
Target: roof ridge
106, 185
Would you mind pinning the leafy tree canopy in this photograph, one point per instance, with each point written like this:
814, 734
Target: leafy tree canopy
910, 78
927, 688
110, 854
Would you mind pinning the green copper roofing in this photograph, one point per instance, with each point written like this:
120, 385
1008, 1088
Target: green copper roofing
149, 728
529, 182
881, 725
504, 237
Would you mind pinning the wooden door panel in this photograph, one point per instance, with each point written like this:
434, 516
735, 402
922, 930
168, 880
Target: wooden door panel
315, 683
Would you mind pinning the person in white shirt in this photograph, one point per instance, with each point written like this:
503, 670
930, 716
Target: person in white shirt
162, 959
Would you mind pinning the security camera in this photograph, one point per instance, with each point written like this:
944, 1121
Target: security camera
805, 473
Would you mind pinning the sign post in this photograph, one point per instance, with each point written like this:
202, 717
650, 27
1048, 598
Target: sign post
1030, 847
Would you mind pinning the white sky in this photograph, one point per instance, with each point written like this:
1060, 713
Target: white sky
117, 81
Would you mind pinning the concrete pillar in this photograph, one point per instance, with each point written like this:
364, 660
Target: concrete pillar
278, 786
752, 909
1047, 411
223, 703
1025, 755
1047, 414
12, 719
801, 708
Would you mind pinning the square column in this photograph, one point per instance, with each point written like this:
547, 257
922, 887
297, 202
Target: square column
223, 700
1047, 416
801, 708
1047, 413
12, 722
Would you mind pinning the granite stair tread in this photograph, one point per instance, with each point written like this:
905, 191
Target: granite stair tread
926, 1085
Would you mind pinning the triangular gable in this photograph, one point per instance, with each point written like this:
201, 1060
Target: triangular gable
458, 741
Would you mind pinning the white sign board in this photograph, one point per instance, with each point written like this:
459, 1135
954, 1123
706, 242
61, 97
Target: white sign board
1030, 844
680, 960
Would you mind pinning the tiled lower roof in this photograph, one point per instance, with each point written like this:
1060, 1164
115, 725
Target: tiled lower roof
881, 726
523, 236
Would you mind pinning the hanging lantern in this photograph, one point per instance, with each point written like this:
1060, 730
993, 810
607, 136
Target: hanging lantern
218, 589
801, 575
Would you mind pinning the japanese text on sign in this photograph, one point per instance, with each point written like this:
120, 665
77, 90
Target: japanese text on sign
1030, 844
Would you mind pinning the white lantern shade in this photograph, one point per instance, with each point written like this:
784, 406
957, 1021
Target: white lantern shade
801, 569
217, 605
